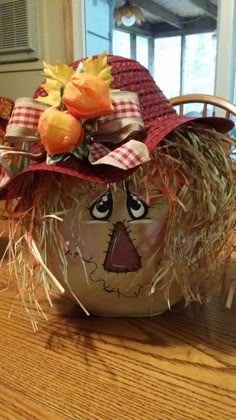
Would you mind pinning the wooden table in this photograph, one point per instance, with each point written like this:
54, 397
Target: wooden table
180, 365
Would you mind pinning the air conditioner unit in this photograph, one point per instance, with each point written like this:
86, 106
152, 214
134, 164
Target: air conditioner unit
19, 35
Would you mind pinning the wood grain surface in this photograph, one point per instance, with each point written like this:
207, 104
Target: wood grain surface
180, 365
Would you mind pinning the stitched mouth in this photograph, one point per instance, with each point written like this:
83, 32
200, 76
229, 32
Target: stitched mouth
108, 288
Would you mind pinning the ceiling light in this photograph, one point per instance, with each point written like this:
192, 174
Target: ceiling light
128, 15
128, 21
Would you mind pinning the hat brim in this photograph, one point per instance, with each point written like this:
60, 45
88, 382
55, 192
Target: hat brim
103, 174
164, 126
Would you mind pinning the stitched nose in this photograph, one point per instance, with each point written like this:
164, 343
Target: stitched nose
121, 256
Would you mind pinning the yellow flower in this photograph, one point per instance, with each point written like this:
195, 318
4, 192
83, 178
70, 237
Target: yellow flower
56, 77
87, 96
98, 67
59, 131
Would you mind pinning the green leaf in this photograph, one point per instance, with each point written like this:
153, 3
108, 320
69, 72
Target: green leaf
51, 160
80, 152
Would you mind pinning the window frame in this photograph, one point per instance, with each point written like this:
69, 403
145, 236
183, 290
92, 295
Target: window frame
151, 49
133, 53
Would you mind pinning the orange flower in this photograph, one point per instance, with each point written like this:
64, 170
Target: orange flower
60, 132
87, 96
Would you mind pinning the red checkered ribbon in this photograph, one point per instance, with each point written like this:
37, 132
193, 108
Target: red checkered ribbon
126, 105
127, 156
25, 116
24, 119
125, 119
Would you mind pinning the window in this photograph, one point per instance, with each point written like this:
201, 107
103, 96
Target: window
234, 80
167, 65
199, 63
142, 50
182, 64
97, 24
186, 64
199, 67
121, 44
130, 46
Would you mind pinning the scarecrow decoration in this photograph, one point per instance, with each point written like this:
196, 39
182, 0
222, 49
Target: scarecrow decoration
114, 198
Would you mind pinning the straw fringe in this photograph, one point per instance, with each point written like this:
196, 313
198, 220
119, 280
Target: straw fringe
194, 174
200, 232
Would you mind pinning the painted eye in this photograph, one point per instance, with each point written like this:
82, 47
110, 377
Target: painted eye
101, 209
136, 207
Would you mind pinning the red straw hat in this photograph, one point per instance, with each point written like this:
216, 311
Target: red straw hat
158, 119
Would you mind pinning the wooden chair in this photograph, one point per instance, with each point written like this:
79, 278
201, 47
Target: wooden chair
216, 101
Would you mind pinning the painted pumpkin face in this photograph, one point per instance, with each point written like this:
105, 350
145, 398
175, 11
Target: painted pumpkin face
114, 244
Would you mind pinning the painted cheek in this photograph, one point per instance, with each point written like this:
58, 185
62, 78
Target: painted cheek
152, 235
90, 238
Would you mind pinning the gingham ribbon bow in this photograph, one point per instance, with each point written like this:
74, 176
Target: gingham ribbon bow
20, 132
122, 124
125, 122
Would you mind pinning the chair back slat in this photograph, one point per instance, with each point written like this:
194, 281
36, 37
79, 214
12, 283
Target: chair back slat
227, 115
216, 101
204, 112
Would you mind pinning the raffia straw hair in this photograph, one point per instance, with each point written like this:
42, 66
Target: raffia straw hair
197, 180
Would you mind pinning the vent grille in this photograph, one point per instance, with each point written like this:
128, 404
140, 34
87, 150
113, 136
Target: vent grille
19, 34
13, 26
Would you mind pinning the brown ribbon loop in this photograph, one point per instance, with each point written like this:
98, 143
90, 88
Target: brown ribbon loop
16, 165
